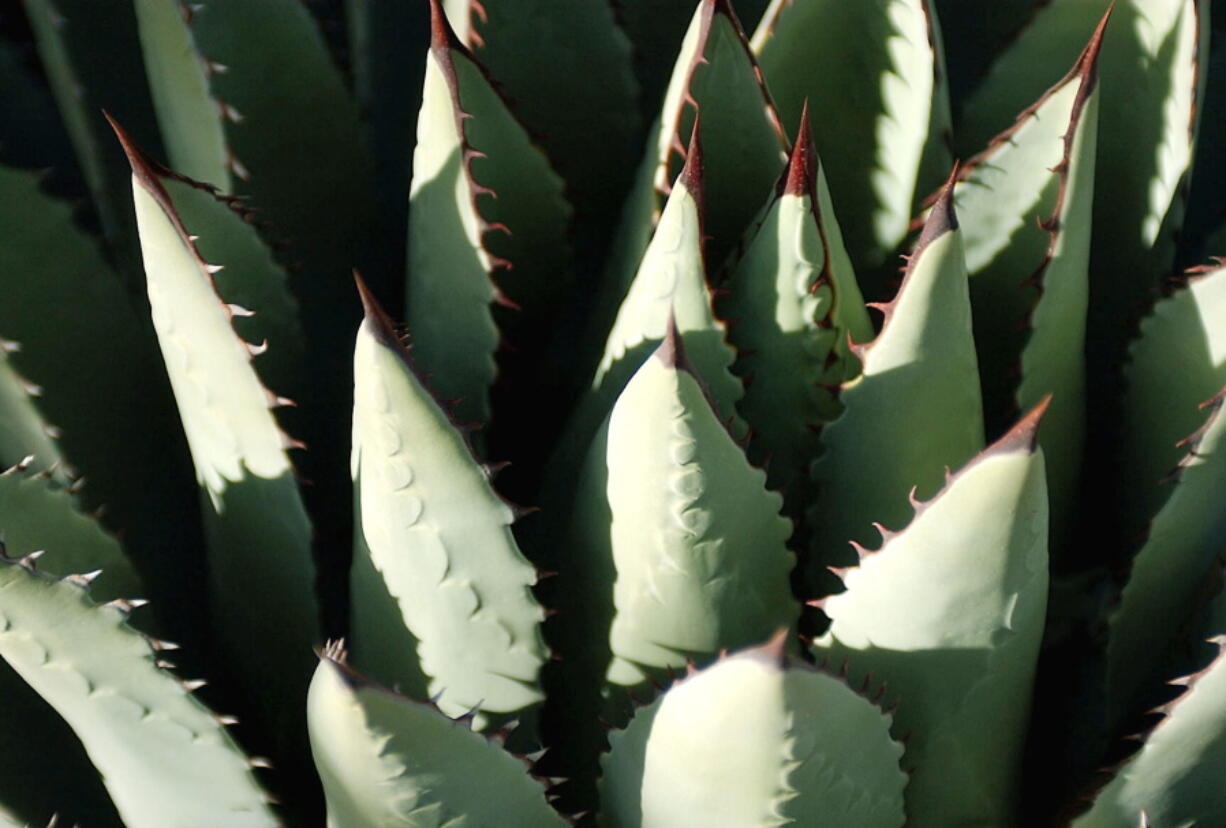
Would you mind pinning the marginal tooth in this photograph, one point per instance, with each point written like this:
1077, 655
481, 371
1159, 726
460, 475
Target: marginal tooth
239, 310
193, 238
9, 347
212, 268
192, 685
256, 350
84, 579
162, 646
29, 558
31, 389
52, 431
25, 462
259, 762
162, 664
227, 721
137, 603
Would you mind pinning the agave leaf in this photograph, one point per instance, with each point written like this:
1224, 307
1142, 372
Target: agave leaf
161, 753
914, 411
105, 390
1176, 777
949, 614
483, 199
440, 536
881, 121
715, 76
387, 760
656, 29
1027, 203
24, 434
1152, 64
1183, 541
568, 68
261, 580
91, 54
795, 302
1206, 210
695, 537
38, 515
755, 739
1161, 406
973, 34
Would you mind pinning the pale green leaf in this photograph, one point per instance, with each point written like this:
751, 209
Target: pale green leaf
389, 761
165, 758
755, 739
23, 431
949, 615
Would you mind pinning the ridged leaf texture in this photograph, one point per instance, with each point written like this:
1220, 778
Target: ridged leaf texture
387, 760
948, 614
755, 739
441, 589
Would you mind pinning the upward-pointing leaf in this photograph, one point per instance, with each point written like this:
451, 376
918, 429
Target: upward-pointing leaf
1026, 202
795, 302
949, 615
914, 411
483, 201
715, 76
161, 753
23, 431
755, 739
881, 121
263, 604
387, 760
461, 612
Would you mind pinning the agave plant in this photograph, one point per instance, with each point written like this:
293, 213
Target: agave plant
805, 539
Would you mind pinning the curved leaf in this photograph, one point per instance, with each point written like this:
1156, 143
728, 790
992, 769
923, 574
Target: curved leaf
435, 529
161, 753
386, 760
881, 121
1183, 542
263, 606
1176, 777
796, 302
949, 614
1027, 203
36, 515
755, 739
483, 200
921, 366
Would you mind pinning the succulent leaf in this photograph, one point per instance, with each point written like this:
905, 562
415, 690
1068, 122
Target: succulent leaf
483, 201
38, 515
755, 739
1175, 778
23, 431
795, 301
921, 366
949, 614
262, 583
387, 760
1027, 203
715, 77
439, 535
161, 753
1152, 68
1182, 544
881, 121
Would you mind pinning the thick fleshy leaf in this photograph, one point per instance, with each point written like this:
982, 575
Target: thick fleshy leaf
23, 431
914, 411
795, 302
973, 33
1176, 777
104, 389
483, 201
462, 612
1187, 332
161, 753
949, 614
568, 68
696, 539
261, 579
1026, 202
755, 739
1184, 540
715, 77
881, 121
387, 760
1152, 69
91, 54
38, 515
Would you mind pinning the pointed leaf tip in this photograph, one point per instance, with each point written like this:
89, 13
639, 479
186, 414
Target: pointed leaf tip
442, 34
1024, 436
802, 167
691, 173
943, 218
1087, 62
775, 650
381, 324
672, 350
